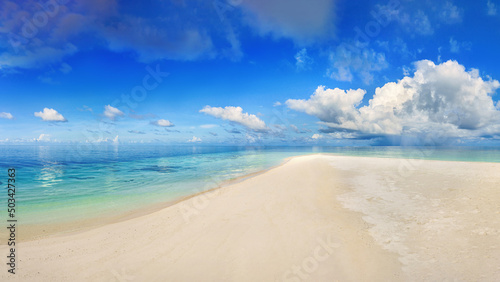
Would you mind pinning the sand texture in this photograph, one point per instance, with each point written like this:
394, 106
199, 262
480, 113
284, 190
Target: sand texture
314, 218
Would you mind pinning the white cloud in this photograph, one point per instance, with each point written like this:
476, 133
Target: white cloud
43, 137
296, 19
492, 9
206, 126
112, 112
104, 140
302, 60
50, 115
317, 136
444, 98
235, 114
6, 115
348, 60
277, 104
451, 14
194, 139
162, 123
331, 105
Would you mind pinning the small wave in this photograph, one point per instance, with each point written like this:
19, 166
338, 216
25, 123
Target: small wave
81, 178
161, 169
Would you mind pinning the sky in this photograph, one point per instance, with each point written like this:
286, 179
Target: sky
241, 72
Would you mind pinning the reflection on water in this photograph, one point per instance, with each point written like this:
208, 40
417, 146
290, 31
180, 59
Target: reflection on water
50, 174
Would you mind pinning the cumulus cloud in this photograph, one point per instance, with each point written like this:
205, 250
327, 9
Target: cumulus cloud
235, 114
356, 59
331, 105
43, 137
194, 139
162, 123
6, 115
317, 136
50, 115
295, 19
444, 98
112, 112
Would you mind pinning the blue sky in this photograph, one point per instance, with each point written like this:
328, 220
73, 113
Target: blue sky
256, 72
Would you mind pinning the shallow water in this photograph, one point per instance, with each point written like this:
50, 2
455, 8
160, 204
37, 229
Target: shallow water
67, 182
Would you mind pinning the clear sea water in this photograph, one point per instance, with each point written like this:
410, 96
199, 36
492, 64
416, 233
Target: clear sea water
66, 182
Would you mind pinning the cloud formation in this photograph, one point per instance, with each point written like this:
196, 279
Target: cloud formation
162, 123
444, 98
492, 8
112, 112
50, 115
414, 21
302, 60
298, 20
6, 115
43, 137
356, 59
194, 140
451, 14
235, 114
38, 34
331, 105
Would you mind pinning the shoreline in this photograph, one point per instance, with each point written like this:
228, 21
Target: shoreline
33, 232
315, 218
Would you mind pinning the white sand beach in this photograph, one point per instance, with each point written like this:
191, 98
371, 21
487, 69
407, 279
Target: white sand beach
314, 218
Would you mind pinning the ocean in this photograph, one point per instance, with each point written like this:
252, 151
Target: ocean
59, 183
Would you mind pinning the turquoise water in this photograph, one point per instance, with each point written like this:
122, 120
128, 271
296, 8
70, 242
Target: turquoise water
67, 182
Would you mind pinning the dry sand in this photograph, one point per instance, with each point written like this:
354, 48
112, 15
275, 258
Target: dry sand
315, 218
